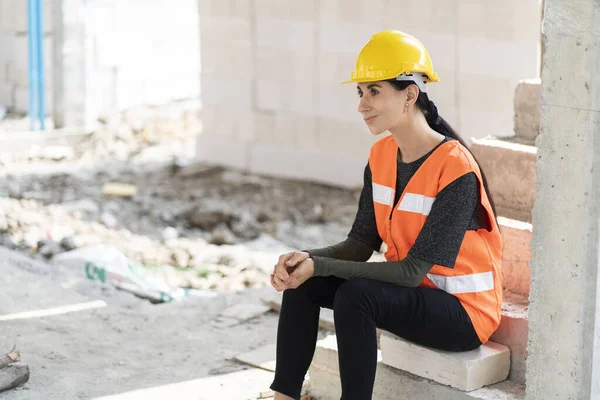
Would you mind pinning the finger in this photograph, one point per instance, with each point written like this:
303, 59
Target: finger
280, 283
297, 258
275, 285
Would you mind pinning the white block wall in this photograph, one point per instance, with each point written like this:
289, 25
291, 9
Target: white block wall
137, 52
271, 71
14, 92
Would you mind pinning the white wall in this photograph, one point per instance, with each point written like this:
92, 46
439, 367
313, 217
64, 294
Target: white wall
137, 52
271, 72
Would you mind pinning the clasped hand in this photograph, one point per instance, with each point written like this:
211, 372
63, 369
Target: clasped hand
292, 270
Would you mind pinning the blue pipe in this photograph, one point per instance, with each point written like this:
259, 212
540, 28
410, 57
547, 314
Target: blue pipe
40, 58
35, 33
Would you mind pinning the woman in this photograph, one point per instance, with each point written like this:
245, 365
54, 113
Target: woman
425, 197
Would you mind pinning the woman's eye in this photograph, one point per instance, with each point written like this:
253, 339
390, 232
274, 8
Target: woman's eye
359, 94
374, 92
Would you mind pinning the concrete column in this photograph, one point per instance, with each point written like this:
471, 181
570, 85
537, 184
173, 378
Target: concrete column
72, 107
564, 314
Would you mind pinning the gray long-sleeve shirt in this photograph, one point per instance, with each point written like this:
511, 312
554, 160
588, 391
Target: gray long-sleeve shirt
455, 210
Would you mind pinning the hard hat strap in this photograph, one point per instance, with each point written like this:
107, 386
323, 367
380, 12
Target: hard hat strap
418, 78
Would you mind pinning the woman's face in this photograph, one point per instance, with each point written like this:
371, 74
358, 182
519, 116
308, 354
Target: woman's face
382, 106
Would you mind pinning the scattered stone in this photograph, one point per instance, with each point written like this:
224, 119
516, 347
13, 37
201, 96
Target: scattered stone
207, 217
222, 235
68, 243
119, 189
181, 258
263, 357
109, 220
48, 248
245, 226
57, 153
169, 233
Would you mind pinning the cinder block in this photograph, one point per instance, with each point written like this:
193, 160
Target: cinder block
227, 62
230, 92
392, 384
442, 18
217, 121
361, 12
513, 332
527, 21
221, 150
284, 34
285, 65
221, 31
338, 102
466, 371
349, 137
516, 237
477, 54
298, 97
527, 103
492, 21
510, 172
345, 37
337, 169
288, 10
21, 100
7, 94
269, 95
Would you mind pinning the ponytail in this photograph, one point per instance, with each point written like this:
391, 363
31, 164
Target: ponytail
441, 126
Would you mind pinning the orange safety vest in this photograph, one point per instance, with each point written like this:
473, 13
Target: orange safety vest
475, 279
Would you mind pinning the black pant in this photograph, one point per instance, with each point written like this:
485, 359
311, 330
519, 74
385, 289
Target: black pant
428, 317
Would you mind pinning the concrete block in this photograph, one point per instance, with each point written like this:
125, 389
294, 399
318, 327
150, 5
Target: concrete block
227, 62
357, 12
493, 21
285, 65
215, 31
513, 333
284, 34
287, 10
7, 94
338, 101
477, 54
516, 255
269, 95
510, 171
18, 65
392, 384
226, 92
477, 123
349, 137
340, 37
527, 108
221, 150
442, 17
217, 121
21, 100
337, 169
263, 357
527, 20
335, 67
466, 371
475, 91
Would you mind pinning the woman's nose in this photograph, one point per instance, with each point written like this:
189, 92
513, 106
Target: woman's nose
363, 105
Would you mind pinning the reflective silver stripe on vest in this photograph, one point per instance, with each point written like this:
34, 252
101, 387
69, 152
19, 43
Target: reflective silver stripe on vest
416, 203
383, 194
471, 283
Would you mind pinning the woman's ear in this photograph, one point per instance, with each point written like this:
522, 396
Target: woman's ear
412, 94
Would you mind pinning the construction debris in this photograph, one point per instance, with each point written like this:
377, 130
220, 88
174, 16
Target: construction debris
119, 189
13, 373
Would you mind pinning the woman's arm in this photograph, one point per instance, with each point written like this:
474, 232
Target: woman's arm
408, 272
437, 244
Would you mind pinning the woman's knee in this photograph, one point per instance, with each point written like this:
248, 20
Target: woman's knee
354, 294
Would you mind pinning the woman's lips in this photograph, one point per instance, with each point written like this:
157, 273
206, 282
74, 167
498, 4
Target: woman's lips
370, 119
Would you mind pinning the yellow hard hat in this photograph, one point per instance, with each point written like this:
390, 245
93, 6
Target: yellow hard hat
392, 54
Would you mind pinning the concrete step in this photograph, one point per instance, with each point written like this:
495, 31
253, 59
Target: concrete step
516, 237
393, 384
513, 333
527, 109
510, 172
466, 371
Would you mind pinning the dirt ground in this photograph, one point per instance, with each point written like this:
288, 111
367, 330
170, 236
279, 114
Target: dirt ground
218, 230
